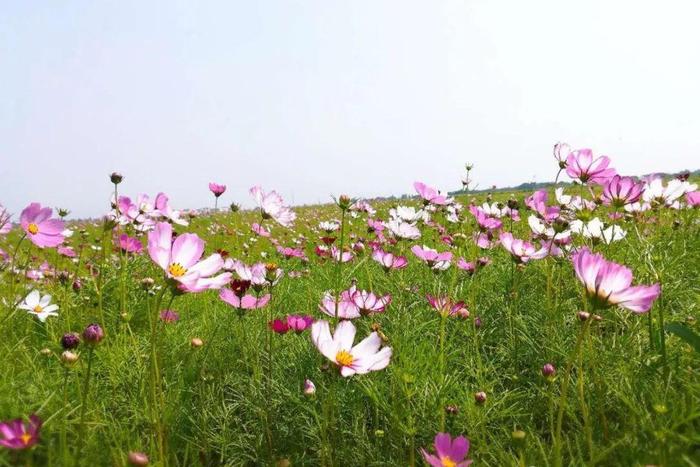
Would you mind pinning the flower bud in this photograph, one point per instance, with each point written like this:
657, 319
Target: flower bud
45, 352
451, 409
518, 437
344, 202
147, 283
196, 342
137, 458
116, 178
548, 370
477, 322
583, 315
70, 341
77, 285
93, 334
169, 316
480, 397
309, 387
68, 357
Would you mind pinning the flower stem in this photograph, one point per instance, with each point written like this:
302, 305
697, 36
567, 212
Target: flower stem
83, 405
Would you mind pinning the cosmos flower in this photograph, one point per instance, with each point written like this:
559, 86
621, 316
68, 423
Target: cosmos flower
5, 224
656, 193
408, 214
596, 230
389, 261
520, 250
272, 206
344, 257
217, 189
38, 305
693, 199
561, 152
362, 205
435, 260
181, 259
260, 230
360, 359
581, 165
429, 194
446, 307
40, 228
609, 283
18, 435
130, 244
244, 302
403, 230
367, 302
619, 191
448, 452
346, 307
299, 323
164, 210
329, 226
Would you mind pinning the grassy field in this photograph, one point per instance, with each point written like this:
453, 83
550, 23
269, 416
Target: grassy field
220, 387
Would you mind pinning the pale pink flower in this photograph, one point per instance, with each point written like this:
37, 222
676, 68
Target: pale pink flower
429, 194
520, 250
181, 259
346, 308
344, 258
693, 199
389, 261
435, 260
5, 224
244, 302
359, 359
272, 206
446, 307
368, 302
403, 230
260, 230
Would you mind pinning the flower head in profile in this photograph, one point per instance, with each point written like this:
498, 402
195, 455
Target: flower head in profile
403, 230
656, 193
561, 152
608, 284
448, 452
40, 228
18, 435
581, 166
130, 244
429, 194
362, 358
436, 261
389, 261
520, 250
446, 307
367, 302
272, 206
38, 305
217, 189
260, 230
619, 191
693, 199
237, 297
5, 224
180, 259
344, 306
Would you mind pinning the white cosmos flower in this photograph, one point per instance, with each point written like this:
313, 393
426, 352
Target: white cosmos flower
39, 306
359, 359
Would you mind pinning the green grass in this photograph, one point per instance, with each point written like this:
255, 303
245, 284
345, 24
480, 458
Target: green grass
220, 408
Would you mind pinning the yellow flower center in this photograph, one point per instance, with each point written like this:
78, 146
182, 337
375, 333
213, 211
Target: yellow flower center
177, 270
343, 358
38, 309
447, 462
26, 438
33, 229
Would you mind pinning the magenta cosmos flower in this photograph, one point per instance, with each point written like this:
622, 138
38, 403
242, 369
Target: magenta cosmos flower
609, 283
448, 452
581, 165
520, 250
359, 359
181, 259
17, 435
446, 307
619, 191
40, 228
237, 297
217, 189
130, 244
272, 206
429, 194
693, 199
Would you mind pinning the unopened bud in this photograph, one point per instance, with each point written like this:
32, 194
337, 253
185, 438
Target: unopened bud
196, 342
137, 458
69, 357
480, 397
116, 178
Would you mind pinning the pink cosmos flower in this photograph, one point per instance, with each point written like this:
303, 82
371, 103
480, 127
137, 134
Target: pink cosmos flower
40, 228
620, 191
436, 261
260, 230
344, 258
520, 250
346, 307
272, 206
217, 189
693, 199
367, 302
130, 244
538, 203
485, 222
359, 359
581, 165
164, 210
279, 326
446, 307
244, 302
429, 194
66, 251
389, 261
299, 323
17, 435
401, 229
561, 152
467, 266
449, 453
288, 253
181, 259
609, 283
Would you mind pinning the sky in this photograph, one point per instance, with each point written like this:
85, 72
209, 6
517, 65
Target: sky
321, 97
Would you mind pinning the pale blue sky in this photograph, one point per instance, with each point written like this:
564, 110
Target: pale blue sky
320, 97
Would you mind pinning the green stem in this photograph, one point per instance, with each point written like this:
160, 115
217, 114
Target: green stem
83, 405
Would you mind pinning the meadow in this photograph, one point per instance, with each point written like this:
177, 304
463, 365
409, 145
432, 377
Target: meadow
550, 328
